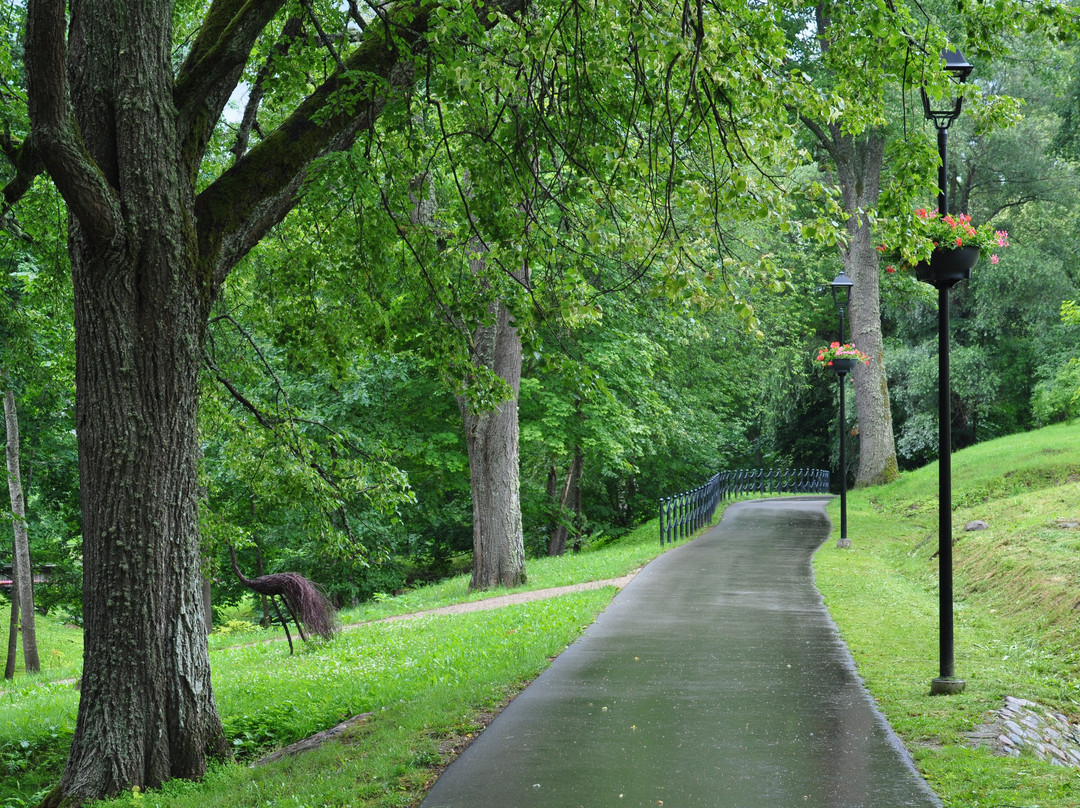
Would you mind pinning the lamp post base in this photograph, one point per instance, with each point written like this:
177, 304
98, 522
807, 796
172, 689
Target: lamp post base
947, 687
844, 542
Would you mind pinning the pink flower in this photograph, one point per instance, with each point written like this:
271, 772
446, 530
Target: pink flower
1002, 238
994, 259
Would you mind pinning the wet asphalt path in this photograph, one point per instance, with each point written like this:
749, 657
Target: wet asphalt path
715, 679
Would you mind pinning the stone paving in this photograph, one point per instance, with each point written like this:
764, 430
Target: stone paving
1027, 726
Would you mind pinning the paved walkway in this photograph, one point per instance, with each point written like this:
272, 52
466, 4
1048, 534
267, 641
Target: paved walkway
715, 679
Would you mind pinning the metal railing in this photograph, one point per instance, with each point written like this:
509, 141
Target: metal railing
683, 514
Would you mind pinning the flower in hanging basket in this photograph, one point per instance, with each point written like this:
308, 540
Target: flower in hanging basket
930, 231
825, 356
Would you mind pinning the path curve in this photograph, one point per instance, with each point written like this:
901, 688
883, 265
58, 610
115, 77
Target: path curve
715, 679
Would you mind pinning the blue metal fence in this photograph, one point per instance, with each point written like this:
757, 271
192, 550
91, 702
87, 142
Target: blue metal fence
683, 514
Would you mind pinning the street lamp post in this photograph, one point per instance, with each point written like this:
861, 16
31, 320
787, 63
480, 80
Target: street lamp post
942, 119
841, 291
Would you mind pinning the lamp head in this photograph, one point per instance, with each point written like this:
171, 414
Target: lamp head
841, 289
959, 69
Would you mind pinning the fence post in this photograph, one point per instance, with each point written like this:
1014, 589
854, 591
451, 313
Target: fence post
661, 521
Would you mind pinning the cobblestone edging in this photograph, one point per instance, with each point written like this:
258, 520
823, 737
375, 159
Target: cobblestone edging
1028, 726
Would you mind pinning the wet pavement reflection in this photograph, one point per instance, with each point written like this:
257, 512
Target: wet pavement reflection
715, 679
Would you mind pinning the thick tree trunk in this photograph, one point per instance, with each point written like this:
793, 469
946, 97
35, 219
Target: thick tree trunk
23, 573
858, 162
147, 711
491, 437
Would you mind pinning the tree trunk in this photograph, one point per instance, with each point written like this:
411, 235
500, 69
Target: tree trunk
22, 572
147, 711
139, 324
858, 162
13, 630
565, 503
491, 437
208, 603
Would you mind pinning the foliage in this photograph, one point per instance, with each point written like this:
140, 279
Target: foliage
1058, 398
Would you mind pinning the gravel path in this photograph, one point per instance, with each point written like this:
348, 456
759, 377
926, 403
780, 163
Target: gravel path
499, 601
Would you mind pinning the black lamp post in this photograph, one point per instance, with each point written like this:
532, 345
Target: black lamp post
946, 683
841, 292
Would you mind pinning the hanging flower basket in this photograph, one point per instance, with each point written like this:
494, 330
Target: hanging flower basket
839, 358
841, 366
947, 267
942, 249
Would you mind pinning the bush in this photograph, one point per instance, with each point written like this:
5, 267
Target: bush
1058, 399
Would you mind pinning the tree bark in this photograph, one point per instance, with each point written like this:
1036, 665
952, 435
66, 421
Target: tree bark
858, 163
13, 630
140, 319
568, 500
491, 438
22, 571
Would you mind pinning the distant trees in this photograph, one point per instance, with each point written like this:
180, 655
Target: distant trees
22, 600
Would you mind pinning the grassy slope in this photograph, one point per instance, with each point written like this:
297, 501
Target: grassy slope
1016, 614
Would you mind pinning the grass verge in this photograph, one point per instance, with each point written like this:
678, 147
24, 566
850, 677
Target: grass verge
1017, 610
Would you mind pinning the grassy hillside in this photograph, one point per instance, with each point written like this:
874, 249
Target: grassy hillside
1017, 609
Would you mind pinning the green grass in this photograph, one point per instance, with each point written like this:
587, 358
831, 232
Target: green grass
429, 683
1017, 621
426, 682
60, 647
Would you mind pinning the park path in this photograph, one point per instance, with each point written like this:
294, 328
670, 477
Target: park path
715, 679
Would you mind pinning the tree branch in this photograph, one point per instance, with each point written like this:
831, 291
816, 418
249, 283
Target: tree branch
292, 30
56, 135
256, 193
322, 34
214, 66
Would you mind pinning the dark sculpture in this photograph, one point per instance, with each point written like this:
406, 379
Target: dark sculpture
307, 606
